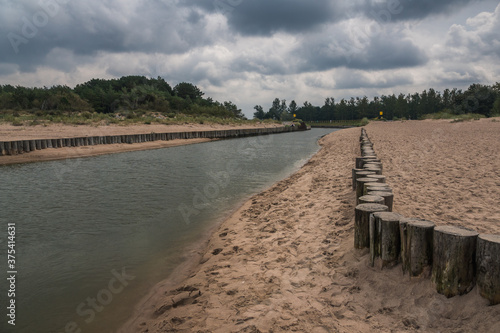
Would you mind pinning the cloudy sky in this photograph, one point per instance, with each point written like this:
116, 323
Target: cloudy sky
251, 51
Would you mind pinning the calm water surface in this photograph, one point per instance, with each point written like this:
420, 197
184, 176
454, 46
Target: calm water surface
95, 234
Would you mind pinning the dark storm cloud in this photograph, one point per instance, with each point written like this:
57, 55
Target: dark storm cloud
63, 34
85, 28
397, 10
378, 52
264, 17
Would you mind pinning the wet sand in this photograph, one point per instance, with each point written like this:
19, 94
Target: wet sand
285, 260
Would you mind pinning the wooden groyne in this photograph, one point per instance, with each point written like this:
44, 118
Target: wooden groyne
331, 126
455, 258
25, 146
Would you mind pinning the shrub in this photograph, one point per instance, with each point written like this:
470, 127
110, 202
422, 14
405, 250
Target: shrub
364, 122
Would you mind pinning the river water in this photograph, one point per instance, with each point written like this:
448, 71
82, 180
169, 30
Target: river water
93, 235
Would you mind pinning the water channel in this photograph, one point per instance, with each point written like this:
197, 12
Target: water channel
110, 227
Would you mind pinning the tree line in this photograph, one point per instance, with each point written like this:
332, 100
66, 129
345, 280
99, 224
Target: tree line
128, 95
477, 99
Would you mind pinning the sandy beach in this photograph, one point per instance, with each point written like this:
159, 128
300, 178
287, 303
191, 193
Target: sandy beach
285, 260
12, 133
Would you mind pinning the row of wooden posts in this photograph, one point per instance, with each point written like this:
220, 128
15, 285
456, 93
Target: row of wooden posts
455, 258
26, 146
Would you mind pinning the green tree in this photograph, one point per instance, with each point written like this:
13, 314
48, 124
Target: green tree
184, 90
259, 112
231, 107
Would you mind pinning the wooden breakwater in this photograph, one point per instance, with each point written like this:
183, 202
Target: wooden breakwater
25, 146
455, 258
331, 126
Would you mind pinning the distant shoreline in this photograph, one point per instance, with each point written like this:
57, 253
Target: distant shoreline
13, 133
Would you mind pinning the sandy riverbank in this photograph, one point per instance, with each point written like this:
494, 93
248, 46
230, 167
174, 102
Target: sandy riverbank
12, 133
285, 260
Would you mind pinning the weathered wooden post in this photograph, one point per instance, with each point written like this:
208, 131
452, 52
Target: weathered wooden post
26, 146
8, 148
362, 174
454, 259
20, 147
361, 160
379, 187
377, 170
378, 178
360, 186
354, 177
416, 245
14, 148
385, 241
387, 195
371, 199
371, 184
374, 165
488, 267
362, 223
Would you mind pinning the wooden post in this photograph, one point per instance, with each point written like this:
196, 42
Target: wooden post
388, 197
370, 199
354, 178
20, 147
26, 146
14, 148
8, 148
379, 178
385, 241
364, 173
379, 187
362, 223
361, 160
360, 186
377, 170
417, 244
370, 184
373, 164
454, 258
488, 267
